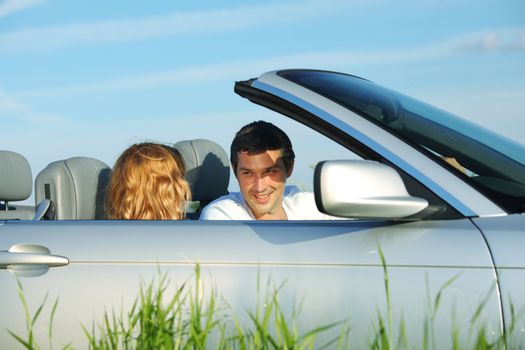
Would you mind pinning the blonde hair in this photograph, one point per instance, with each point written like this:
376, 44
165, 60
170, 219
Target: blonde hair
147, 183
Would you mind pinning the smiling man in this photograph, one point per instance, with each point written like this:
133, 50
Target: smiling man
262, 158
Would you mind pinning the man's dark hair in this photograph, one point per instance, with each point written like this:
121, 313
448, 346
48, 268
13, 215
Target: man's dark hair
258, 137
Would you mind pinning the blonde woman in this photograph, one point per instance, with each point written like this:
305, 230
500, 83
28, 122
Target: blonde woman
147, 183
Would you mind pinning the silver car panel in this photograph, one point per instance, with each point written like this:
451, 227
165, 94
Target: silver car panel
108, 260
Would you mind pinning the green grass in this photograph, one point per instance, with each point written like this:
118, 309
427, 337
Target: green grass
477, 338
29, 342
189, 316
191, 319
158, 320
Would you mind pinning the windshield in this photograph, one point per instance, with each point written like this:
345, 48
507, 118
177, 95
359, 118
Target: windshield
490, 162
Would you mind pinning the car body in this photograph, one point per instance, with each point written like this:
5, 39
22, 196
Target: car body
440, 198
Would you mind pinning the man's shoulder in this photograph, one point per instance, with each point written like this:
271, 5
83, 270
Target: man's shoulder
294, 196
227, 207
227, 199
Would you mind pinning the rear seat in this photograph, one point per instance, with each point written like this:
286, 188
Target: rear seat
207, 171
74, 188
16, 182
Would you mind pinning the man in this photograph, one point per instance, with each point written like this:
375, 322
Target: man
262, 160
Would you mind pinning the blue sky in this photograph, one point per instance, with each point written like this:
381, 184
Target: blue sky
92, 77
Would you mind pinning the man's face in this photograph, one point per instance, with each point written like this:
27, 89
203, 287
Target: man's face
262, 178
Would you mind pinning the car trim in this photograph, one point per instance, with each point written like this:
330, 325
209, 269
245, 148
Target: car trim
272, 263
496, 277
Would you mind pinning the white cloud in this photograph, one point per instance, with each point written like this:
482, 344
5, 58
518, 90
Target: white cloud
13, 112
55, 37
243, 69
9, 104
8, 7
248, 68
500, 41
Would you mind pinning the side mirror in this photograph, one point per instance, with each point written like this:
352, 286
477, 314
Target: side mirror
363, 189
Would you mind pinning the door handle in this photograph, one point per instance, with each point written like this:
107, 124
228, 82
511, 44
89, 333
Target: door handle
30, 254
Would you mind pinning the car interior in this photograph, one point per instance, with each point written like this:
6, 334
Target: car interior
17, 183
74, 188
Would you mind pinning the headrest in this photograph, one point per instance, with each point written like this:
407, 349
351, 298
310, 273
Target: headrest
207, 168
16, 180
76, 186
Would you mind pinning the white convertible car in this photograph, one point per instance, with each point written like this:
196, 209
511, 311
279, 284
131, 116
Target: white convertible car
442, 198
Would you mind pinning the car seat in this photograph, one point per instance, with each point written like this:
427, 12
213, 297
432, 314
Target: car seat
207, 171
75, 189
16, 182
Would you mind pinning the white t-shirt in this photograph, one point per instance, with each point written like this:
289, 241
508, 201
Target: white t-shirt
298, 205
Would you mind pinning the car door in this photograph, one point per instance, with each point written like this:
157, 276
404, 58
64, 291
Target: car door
332, 268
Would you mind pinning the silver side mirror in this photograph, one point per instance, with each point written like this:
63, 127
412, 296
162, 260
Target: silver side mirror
363, 189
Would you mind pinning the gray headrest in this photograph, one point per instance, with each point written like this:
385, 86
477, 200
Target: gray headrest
76, 186
16, 180
207, 168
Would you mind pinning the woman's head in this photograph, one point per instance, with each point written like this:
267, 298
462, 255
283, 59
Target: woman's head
147, 183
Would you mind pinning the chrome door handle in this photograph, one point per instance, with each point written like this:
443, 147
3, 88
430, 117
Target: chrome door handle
30, 254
